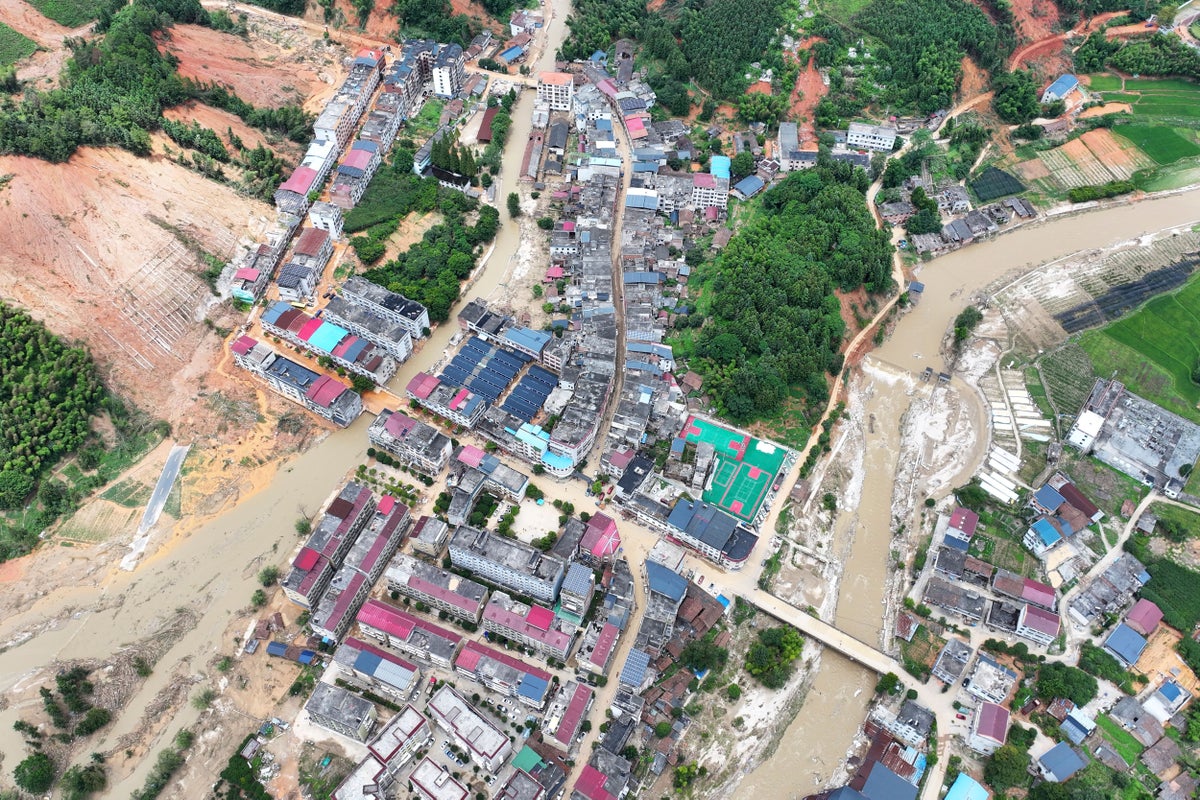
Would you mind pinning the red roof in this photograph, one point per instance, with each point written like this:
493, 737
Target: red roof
573, 716
325, 390
306, 559
1039, 593
386, 504
1144, 617
468, 658
243, 345
539, 617
422, 385
601, 538
300, 181
470, 455
345, 344
518, 624
554, 272
444, 594
604, 644
485, 125
482, 651
993, 722
1041, 620
704, 180
247, 274
1070, 492
591, 784
309, 328
459, 398
358, 159
399, 424
311, 242
964, 520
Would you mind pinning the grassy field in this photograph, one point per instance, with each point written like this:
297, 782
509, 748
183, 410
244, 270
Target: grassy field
1068, 377
13, 46
1154, 349
1104, 83
1188, 520
1163, 145
843, 9
71, 13
1102, 484
1121, 740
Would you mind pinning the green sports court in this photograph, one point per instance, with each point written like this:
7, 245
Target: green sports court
743, 471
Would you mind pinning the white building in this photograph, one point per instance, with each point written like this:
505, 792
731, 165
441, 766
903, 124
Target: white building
487, 745
871, 137
448, 70
508, 562
556, 90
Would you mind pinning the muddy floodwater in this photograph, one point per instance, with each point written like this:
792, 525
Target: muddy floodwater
816, 742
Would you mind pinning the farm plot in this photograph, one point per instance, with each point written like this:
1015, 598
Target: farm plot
1120, 156
1105, 83
71, 13
1161, 144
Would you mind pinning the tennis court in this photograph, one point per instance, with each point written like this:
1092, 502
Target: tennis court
743, 471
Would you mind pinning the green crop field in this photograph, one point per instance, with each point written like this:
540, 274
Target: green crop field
1154, 349
1104, 83
71, 13
13, 46
1160, 86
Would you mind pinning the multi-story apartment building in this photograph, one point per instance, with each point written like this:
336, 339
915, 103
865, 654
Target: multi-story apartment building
487, 745
577, 589
323, 338
401, 738
376, 670
459, 405
556, 90
871, 137
504, 674
429, 536
415, 443
389, 336
1038, 625
508, 562
532, 626
449, 68
458, 596
407, 633
331, 540
342, 711
324, 396
389, 305
708, 190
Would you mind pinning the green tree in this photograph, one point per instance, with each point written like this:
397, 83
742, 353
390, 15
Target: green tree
35, 774
700, 655
1007, 768
80, 782
514, 205
1015, 96
887, 684
742, 165
268, 575
1059, 680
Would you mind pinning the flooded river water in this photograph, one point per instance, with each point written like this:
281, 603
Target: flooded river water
817, 740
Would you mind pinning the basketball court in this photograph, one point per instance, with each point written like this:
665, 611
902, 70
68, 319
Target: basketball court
744, 469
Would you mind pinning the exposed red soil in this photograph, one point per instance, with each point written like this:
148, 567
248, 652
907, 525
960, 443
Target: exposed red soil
974, 80
81, 231
1045, 45
261, 71
1131, 31
222, 122
759, 87
1035, 19
806, 94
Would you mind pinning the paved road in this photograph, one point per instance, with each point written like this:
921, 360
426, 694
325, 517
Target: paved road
166, 479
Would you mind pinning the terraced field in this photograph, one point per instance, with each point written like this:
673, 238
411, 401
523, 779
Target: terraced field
1095, 158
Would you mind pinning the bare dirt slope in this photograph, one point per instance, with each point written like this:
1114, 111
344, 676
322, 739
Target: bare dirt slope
279, 63
43, 67
80, 234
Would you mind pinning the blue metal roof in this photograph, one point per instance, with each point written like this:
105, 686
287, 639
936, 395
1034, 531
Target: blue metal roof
1046, 532
533, 687
276, 648
1062, 761
275, 311
965, 788
327, 336
1073, 730
643, 276
527, 337
1048, 498
883, 784
1063, 85
355, 350
645, 166
511, 53
918, 287
665, 581
1171, 691
1125, 643
636, 664
750, 185
720, 166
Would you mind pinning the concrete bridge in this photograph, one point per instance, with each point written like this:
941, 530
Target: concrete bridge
821, 631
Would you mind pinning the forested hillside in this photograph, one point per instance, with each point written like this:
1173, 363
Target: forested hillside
115, 87
775, 322
1153, 55
924, 44
710, 42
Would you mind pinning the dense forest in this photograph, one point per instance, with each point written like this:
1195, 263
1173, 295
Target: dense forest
431, 271
115, 87
434, 19
594, 24
1151, 55
48, 392
924, 44
775, 323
